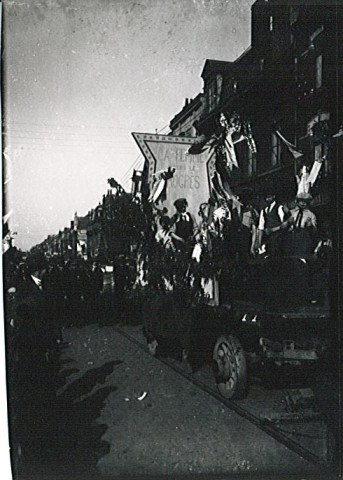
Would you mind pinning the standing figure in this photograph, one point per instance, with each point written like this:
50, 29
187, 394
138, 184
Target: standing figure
297, 248
165, 236
303, 182
271, 224
249, 226
184, 226
307, 178
300, 238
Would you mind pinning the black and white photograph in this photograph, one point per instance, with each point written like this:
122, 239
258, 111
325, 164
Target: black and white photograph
170, 212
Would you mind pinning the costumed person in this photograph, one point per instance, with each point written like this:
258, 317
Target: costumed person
306, 179
184, 226
202, 252
221, 216
249, 225
225, 159
303, 183
165, 236
165, 257
302, 226
297, 247
159, 190
271, 224
206, 230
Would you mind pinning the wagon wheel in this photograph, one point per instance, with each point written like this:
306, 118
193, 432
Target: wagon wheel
230, 368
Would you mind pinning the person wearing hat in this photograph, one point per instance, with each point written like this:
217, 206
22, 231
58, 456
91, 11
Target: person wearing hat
302, 226
184, 225
297, 248
301, 216
271, 222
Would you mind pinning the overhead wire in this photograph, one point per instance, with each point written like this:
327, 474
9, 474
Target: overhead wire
127, 174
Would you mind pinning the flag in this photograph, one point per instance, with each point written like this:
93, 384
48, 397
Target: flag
230, 151
157, 190
292, 149
317, 165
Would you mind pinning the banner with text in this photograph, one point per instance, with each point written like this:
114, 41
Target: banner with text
192, 175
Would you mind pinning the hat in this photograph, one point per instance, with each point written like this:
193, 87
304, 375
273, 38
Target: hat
165, 221
307, 197
268, 189
180, 202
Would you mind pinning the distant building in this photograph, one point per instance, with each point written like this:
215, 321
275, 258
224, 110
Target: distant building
94, 231
81, 225
183, 122
287, 81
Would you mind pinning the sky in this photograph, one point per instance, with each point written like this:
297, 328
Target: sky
80, 75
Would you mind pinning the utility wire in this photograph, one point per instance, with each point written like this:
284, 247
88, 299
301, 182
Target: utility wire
124, 178
132, 166
54, 125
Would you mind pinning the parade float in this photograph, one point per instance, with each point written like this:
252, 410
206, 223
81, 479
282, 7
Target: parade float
243, 309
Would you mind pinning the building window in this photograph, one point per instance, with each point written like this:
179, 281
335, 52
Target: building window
319, 71
271, 23
276, 150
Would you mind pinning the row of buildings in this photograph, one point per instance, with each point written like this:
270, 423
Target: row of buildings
287, 81
84, 237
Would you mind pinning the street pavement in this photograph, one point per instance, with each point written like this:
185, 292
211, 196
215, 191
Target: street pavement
150, 421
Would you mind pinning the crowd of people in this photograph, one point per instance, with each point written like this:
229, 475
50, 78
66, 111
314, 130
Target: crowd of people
226, 240
57, 290
180, 249
273, 230
180, 252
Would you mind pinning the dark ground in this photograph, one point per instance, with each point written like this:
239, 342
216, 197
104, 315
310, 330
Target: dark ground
55, 432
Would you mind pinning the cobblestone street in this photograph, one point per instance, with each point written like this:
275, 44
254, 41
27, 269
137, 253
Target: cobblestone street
154, 422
